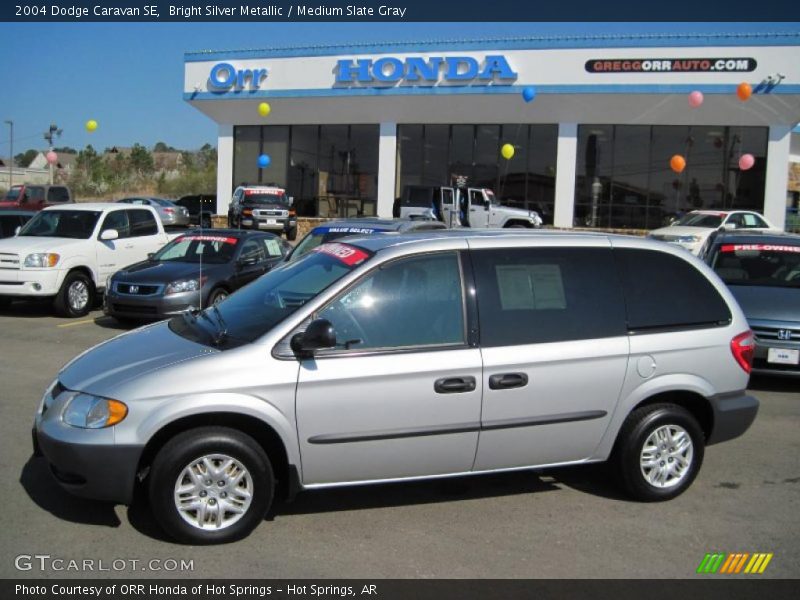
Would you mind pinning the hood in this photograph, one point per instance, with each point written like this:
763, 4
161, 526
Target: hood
680, 230
9, 203
769, 303
522, 212
163, 272
107, 366
27, 244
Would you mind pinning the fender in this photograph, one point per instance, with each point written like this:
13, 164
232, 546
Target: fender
172, 409
677, 382
75, 261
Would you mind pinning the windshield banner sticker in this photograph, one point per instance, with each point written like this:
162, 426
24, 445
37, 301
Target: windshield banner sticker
210, 238
761, 247
349, 255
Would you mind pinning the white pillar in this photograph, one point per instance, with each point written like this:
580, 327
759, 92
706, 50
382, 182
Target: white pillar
777, 177
387, 166
566, 162
224, 167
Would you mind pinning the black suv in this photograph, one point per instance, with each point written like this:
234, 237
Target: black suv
201, 208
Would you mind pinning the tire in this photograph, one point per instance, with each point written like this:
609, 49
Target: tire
205, 222
194, 451
76, 296
640, 430
517, 226
217, 296
291, 235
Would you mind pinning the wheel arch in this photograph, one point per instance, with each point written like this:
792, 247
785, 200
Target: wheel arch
517, 222
266, 436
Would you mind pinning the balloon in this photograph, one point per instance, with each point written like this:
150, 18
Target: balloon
746, 162
51, 157
677, 163
744, 91
264, 108
263, 161
528, 93
91, 125
507, 150
695, 99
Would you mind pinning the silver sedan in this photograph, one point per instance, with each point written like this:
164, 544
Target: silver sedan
170, 213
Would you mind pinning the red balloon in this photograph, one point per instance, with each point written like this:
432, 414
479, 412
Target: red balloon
677, 163
746, 162
51, 157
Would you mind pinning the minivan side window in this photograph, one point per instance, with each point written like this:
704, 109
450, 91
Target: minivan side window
407, 303
663, 291
142, 223
538, 295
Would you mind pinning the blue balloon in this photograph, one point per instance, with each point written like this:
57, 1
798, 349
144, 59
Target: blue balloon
263, 161
528, 93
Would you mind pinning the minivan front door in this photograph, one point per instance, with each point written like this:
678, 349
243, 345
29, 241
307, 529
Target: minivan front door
403, 399
555, 352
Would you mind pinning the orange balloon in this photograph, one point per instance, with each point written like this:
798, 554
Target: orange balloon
744, 91
677, 163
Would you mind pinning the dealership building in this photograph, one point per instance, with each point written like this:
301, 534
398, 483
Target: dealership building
352, 128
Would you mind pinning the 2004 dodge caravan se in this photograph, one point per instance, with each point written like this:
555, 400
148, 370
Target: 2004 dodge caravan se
422, 355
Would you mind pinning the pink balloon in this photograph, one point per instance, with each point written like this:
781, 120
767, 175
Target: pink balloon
51, 157
695, 99
746, 162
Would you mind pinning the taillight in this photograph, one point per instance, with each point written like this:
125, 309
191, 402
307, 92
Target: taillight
169, 211
743, 347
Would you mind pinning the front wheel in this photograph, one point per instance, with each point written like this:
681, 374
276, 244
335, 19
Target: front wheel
291, 235
211, 485
75, 297
217, 296
659, 452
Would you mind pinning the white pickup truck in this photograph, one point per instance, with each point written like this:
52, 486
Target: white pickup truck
68, 252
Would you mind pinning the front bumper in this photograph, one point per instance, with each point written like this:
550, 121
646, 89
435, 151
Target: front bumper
733, 415
762, 366
98, 471
149, 307
30, 282
270, 223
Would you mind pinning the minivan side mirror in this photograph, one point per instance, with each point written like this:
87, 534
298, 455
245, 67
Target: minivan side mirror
109, 234
318, 335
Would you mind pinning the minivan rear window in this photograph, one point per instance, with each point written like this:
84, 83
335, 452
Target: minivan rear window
536, 295
663, 291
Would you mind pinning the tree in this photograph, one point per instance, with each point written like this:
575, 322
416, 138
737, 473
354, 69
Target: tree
140, 160
65, 150
162, 147
24, 159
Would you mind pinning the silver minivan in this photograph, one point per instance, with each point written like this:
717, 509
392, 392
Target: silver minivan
392, 358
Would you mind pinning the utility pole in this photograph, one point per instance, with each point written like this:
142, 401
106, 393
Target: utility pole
11, 154
54, 131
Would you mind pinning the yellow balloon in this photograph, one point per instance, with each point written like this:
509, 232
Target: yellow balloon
263, 109
507, 151
91, 125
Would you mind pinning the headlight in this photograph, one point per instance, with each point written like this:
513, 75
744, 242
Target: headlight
41, 259
92, 412
185, 285
687, 239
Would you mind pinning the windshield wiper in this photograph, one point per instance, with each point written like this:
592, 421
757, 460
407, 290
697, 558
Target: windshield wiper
222, 329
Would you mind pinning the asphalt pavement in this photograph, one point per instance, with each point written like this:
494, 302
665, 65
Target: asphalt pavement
566, 523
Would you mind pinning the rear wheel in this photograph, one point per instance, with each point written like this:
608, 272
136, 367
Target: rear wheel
205, 222
659, 452
291, 235
76, 296
211, 485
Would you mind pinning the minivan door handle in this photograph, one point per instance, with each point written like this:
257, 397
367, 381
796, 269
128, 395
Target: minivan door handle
504, 381
454, 385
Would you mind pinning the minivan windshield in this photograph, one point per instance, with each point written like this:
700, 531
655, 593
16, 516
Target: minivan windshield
700, 220
769, 265
255, 309
74, 224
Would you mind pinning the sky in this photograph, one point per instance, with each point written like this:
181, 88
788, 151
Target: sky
129, 77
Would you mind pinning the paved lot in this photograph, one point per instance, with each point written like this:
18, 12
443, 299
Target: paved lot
567, 523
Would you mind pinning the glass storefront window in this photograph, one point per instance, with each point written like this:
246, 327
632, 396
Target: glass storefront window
624, 179
246, 148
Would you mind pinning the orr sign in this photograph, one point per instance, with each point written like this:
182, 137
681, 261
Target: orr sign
430, 71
